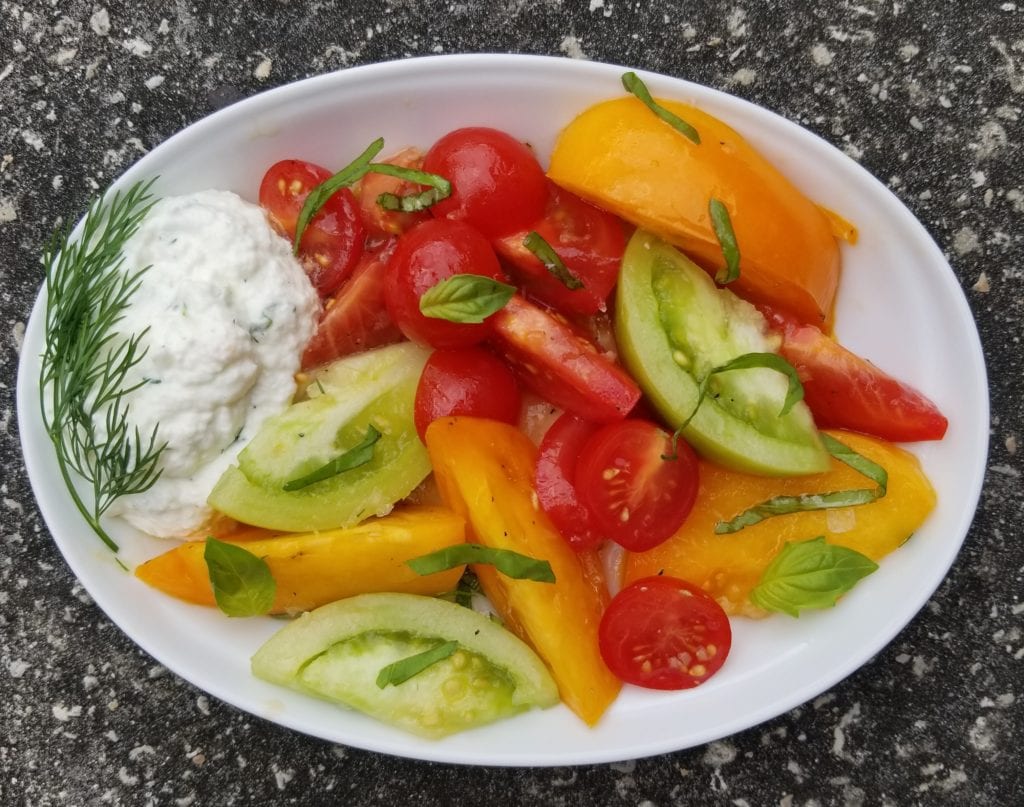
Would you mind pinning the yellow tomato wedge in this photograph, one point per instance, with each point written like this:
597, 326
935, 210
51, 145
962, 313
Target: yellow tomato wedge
315, 568
623, 158
484, 470
729, 566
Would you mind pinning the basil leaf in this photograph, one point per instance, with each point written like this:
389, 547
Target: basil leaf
509, 563
440, 188
546, 254
722, 225
353, 458
318, 197
465, 298
809, 574
746, 361
402, 670
242, 583
632, 82
784, 505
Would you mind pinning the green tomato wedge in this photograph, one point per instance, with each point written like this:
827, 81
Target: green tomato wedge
375, 389
673, 326
337, 651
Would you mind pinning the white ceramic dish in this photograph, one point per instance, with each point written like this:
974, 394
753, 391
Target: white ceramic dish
900, 305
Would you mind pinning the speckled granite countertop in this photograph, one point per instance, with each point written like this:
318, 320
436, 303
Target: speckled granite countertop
927, 96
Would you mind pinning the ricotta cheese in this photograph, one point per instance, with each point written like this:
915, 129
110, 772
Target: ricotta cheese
228, 311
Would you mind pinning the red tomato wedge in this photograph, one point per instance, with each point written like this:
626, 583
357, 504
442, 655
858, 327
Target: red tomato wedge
465, 381
638, 487
590, 243
553, 480
664, 633
380, 222
560, 365
356, 318
845, 391
332, 242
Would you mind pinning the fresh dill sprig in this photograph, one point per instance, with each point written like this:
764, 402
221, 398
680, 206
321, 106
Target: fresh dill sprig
83, 376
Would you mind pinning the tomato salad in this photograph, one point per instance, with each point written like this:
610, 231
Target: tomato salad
587, 397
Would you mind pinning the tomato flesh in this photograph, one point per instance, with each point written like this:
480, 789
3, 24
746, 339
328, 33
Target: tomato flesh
497, 184
465, 381
590, 243
845, 391
332, 242
664, 633
553, 479
560, 365
637, 486
429, 253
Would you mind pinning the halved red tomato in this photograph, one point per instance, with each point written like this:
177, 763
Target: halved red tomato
333, 240
664, 633
845, 391
638, 483
553, 480
380, 222
356, 318
560, 365
590, 243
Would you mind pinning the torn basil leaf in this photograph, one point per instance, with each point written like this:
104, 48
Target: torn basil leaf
633, 83
509, 563
546, 254
402, 670
465, 298
353, 458
722, 225
242, 583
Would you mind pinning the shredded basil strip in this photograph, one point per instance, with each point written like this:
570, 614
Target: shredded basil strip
809, 574
509, 563
546, 254
242, 583
465, 298
439, 188
746, 361
353, 458
467, 587
632, 82
402, 670
784, 505
722, 225
318, 197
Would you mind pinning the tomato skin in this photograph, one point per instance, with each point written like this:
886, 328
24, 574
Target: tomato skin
429, 253
497, 184
590, 243
636, 496
664, 633
553, 480
465, 381
332, 242
356, 317
381, 223
845, 391
560, 365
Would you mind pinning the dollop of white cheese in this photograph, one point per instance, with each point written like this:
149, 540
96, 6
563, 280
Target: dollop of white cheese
228, 311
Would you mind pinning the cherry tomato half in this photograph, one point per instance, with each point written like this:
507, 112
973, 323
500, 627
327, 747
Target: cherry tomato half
497, 184
465, 381
664, 633
429, 253
845, 391
333, 240
590, 243
637, 496
560, 365
379, 221
553, 480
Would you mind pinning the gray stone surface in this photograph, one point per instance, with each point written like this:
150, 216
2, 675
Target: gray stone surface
927, 96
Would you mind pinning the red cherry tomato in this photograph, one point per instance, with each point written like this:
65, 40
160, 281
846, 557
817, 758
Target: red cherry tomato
560, 365
664, 633
429, 253
845, 391
356, 318
553, 480
590, 243
379, 221
638, 498
465, 381
497, 184
333, 240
